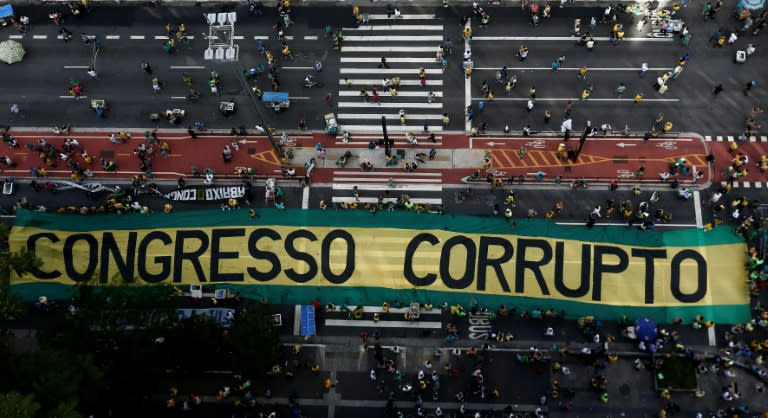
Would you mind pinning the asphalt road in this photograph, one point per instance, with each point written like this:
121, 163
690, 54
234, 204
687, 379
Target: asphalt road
578, 203
39, 84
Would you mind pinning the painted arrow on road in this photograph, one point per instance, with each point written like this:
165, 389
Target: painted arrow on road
622, 145
244, 141
493, 144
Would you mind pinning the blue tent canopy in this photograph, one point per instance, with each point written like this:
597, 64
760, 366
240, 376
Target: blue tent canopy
6, 11
274, 96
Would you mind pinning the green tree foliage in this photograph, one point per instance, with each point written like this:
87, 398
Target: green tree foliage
19, 262
14, 404
59, 377
254, 341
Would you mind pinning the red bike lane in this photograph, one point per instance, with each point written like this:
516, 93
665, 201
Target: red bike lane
185, 154
600, 159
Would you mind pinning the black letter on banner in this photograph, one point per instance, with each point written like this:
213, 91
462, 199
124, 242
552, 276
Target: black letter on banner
217, 255
164, 261
534, 266
469, 267
125, 265
193, 256
600, 268
650, 270
300, 256
483, 262
408, 272
701, 276
92, 257
32, 247
257, 254
325, 256
585, 265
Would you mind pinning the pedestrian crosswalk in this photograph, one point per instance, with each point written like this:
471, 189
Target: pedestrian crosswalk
732, 138
408, 44
421, 187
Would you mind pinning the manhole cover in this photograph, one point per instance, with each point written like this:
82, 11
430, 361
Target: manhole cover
624, 389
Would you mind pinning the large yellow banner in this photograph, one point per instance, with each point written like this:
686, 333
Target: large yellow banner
394, 258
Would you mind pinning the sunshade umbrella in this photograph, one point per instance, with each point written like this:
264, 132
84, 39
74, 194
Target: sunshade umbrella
751, 4
11, 51
646, 330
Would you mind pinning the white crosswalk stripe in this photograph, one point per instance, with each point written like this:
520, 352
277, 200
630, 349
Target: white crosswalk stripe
408, 44
421, 187
731, 138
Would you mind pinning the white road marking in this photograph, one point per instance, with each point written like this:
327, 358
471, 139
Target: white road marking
565, 99
15, 36
380, 187
390, 128
370, 81
404, 16
297, 320
424, 60
434, 71
625, 224
137, 36
570, 69
417, 200
394, 38
697, 209
112, 37
711, 335
562, 38
386, 173
431, 49
305, 198
350, 93
393, 28
39, 36
362, 323
398, 105
75, 67
161, 37
310, 37
297, 68
378, 180
392, 116
187, 67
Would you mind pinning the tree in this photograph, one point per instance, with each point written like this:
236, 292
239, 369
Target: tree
254, 341
59, 377
20, 262
14, 404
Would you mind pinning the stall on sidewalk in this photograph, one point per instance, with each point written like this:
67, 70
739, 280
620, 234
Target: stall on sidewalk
277, 100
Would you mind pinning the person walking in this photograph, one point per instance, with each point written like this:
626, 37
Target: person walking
383, 63
329, 99
620, 90
718, 88
748, 87
92, 73
638, 98
16, 111
146, 68
643, 69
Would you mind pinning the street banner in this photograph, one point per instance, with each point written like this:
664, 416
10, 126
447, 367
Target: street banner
206, 194
352, 257
91, 187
